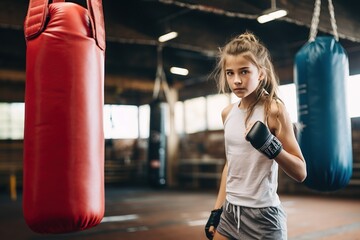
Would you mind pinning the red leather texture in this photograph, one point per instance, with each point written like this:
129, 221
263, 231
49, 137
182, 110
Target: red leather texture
63, 189
96, 11
36, 17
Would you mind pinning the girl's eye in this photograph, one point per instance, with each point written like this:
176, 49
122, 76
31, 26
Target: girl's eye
229, 73
243, 72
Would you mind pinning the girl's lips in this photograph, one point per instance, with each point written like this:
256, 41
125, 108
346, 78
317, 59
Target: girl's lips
239, 89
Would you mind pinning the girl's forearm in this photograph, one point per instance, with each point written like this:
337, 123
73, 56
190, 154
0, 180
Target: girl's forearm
292, 165
222, 189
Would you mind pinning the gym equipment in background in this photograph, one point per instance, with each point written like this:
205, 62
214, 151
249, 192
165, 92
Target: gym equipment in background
321, 70
63, 189
157, 144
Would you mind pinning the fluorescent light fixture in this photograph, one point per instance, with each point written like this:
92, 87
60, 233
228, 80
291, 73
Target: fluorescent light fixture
167, 36
267, 17
272, 13
179, 71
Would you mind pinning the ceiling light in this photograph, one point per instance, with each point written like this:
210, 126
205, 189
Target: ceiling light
272, 13
179, 71
167, 36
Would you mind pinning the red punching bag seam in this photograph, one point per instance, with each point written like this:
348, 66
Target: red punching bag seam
35, 19
97, 20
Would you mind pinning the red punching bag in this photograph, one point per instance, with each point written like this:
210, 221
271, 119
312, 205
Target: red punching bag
63, 189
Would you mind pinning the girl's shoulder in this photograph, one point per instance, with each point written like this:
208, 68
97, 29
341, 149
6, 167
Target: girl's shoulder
277, 108
272, 107
278, 116
225, 112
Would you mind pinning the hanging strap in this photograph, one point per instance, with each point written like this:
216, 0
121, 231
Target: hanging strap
316, 17
333, 20
160, 80
37, 13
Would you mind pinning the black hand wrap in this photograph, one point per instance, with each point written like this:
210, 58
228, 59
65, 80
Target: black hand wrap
214, 220
261, 138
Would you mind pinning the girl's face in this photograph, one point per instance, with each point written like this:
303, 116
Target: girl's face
242, 75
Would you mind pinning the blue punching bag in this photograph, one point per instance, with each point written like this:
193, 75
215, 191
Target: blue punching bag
321, 69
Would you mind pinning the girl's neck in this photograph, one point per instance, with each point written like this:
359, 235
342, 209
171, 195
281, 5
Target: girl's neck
247, 101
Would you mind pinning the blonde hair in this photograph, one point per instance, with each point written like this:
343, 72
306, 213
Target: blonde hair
248, 44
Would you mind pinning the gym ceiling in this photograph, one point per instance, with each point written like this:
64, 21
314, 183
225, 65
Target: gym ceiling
133, 27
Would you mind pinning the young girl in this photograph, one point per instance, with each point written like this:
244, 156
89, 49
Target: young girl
259, 137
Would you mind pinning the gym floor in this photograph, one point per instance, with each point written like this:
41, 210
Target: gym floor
141, 213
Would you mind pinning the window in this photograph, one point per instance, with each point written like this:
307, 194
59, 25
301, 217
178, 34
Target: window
353, 96
121, 121
144, 121
287, 94
12, 120
215, 105
195, 115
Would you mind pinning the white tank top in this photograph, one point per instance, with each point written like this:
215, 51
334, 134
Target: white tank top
251, 177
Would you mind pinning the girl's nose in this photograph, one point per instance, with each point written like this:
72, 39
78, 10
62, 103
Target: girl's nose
237, 79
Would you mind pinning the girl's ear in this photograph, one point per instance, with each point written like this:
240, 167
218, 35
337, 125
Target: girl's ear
261, 75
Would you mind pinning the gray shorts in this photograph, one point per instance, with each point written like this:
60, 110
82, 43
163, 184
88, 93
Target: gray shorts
245, 223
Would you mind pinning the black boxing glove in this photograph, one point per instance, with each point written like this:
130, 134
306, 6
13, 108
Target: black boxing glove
214, 220
261, 138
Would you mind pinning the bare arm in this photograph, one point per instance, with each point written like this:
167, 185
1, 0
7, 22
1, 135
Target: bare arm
221, 195
222, 189
290, 159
